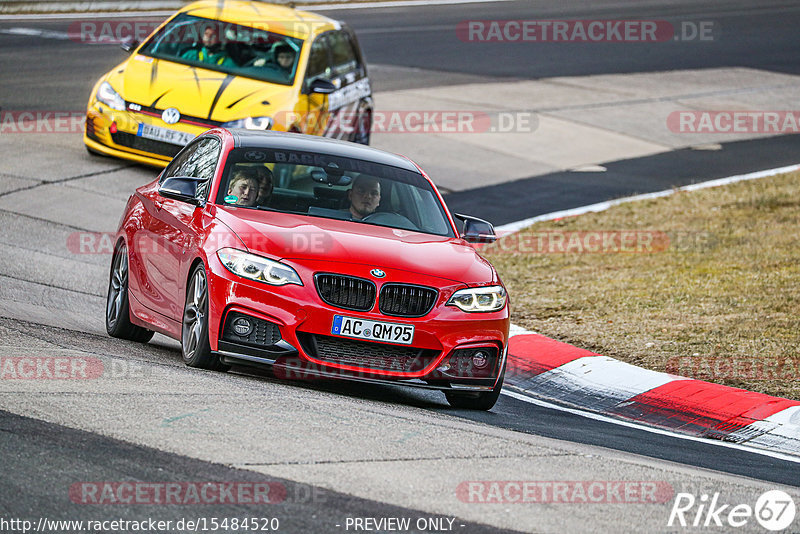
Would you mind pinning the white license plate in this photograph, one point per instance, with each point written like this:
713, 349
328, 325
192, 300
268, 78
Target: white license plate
372, 330
166, 135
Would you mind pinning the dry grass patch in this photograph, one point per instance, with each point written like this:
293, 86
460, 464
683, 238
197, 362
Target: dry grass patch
713, 294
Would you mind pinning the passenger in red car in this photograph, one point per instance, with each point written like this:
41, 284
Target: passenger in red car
364, 196
264, 186
244, 185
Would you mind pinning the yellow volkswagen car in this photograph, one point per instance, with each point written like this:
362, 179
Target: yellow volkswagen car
231, 64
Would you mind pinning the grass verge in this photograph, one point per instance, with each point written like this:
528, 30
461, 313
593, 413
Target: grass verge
703, 284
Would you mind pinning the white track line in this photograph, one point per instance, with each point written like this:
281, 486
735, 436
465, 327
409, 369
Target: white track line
36, 32
397, 3
602, 206
88, 16
652, 430
305, 7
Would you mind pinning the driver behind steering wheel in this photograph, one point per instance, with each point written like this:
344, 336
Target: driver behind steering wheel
364, 196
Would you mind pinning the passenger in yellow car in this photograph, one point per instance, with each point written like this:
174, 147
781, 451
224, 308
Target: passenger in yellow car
281, 59
284, 55
211, 50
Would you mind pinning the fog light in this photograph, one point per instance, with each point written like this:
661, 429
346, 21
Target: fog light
242, 326
480, 359
471, 362
113, 128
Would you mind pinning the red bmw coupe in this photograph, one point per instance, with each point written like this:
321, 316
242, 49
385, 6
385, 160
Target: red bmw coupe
314, 257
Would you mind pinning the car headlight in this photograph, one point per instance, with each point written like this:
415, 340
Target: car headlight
251, 123
258, 268
108, 96
479, 299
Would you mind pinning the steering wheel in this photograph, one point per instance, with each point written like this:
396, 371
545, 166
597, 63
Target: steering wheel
390, 219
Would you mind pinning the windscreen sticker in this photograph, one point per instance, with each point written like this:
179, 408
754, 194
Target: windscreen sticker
255, 155
310, 159
231, 199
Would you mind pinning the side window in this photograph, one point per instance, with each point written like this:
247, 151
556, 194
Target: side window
318, 60
177, 165
344, 55
198, 161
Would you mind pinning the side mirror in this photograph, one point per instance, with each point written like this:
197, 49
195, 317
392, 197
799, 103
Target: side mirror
476, 230
321, 86
183, 188
129, 45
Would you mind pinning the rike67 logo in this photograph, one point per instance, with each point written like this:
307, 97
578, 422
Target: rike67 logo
774, 510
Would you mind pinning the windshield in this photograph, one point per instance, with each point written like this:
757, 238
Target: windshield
318, 185
226, 47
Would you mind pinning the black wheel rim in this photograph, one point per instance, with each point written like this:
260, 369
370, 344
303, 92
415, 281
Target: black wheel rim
117, 286
194, 314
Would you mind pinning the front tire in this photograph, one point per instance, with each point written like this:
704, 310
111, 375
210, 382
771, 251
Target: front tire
195, 347
476, 401
118, 318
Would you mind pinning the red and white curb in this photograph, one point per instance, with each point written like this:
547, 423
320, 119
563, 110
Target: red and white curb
568, 375
544, 368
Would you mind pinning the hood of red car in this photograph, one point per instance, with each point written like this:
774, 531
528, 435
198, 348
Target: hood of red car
308, 240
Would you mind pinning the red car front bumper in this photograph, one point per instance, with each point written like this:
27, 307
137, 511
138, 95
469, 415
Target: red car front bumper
451, 349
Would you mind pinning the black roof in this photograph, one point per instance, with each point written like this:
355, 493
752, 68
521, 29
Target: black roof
320, 145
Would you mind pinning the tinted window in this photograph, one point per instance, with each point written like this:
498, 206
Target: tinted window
344, 55
318, 60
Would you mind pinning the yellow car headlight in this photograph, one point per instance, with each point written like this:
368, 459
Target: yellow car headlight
108, 96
